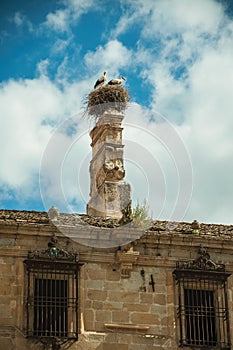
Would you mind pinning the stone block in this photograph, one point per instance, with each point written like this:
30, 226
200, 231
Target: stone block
87, 304
158, 309
112, 285
112, 346
137, 307
160, 288
94, 284
131, 297
93, 337
6, 269
160, 299
112, 305
133, 283
120, 316
99, 327
113, 275
146, 298
145, 347
94, 267
144, 318
5, 288
98, 305
89, 325
103, 316
6, 311
120, 338
96, 274
89, 315
94, 294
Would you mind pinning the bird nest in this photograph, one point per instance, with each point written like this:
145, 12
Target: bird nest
105, 98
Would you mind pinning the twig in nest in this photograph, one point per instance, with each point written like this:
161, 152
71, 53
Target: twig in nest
105, 98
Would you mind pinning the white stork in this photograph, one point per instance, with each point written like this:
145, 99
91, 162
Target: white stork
100, 81
116, 81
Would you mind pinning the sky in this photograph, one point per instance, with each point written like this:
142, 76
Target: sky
177, 58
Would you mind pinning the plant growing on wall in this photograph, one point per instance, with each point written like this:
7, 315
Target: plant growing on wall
140, 215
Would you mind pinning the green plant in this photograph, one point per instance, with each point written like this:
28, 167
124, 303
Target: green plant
140, 215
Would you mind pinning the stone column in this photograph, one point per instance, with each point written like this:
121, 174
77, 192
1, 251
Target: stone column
109, 193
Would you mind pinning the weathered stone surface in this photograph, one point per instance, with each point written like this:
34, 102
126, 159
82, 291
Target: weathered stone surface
95, 294
105, 297
109, 193
23, 219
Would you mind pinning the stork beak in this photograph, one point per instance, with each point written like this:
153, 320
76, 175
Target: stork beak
123, 78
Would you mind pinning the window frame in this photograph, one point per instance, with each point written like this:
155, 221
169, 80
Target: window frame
204, 275
54, 264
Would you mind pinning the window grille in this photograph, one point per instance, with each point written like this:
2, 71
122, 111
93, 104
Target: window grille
201, 298
200, 313
52, 293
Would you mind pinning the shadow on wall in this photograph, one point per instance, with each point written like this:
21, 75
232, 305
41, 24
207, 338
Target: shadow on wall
93, 341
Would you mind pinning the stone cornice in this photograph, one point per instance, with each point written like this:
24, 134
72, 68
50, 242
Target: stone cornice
81, 234
111, 258
35, 219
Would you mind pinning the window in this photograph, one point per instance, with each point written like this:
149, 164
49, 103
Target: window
52, 293
200, 315
50, 303
201, 298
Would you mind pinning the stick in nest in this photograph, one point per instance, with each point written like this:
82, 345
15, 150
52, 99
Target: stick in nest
105, 98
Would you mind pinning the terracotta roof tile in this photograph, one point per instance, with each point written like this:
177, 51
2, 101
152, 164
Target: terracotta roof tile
25, 217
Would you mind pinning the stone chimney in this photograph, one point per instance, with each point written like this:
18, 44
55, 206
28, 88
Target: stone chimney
110, 194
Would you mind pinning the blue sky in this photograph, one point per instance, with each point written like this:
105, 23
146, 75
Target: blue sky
177, 57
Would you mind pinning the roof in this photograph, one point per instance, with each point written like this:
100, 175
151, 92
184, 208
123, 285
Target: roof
24, 217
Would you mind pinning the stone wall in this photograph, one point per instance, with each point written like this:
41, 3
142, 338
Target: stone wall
129, 306
119, 306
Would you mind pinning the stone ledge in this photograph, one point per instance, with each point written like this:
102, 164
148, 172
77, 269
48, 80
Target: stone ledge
20, 219
126, 327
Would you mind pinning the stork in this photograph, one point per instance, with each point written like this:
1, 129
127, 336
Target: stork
100, 81
116, 81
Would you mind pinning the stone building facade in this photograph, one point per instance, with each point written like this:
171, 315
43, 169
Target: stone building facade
169, 287
101, 282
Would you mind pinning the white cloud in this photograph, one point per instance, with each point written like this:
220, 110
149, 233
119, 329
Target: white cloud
184, 53
24, 106
20, 20
42, 67
60, 180
58, 21
164, 17
158, 163
111, 57
62, 19
192, 81
29, 111
60, 45
182, 16
79, 7
138, 11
